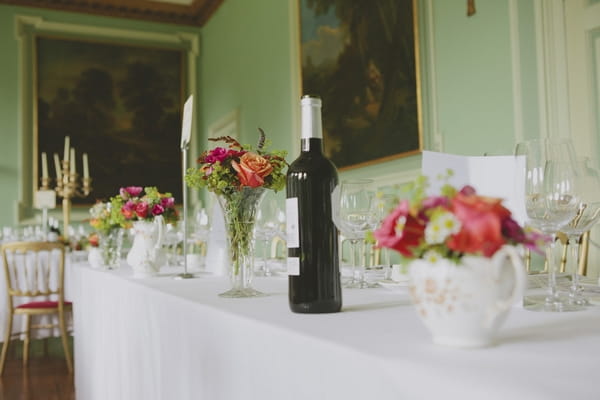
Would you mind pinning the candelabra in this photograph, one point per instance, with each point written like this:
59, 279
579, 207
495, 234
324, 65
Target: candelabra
68, 187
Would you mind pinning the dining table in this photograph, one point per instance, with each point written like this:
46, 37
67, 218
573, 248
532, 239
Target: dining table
164, 338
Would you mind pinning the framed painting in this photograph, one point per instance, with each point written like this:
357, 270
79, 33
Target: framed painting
361, 58
119, 103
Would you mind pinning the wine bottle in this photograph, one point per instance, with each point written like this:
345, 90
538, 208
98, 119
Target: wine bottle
312, 238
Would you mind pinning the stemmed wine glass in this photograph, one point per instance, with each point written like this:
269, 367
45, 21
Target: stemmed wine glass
173, 237
270, 220
354, 215
550, 202
384, 204
588, 214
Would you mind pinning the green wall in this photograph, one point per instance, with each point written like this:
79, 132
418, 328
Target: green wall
466, 68
248, 61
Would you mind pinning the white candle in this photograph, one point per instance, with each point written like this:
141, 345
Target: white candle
72, 160
86, 169
44, 166
67, 144
58, 167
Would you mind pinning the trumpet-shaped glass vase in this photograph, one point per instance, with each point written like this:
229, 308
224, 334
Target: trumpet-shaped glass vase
239, 210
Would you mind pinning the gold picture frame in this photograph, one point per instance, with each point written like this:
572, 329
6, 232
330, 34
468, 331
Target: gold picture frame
362, 59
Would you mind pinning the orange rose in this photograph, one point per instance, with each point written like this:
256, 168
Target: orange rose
252, 169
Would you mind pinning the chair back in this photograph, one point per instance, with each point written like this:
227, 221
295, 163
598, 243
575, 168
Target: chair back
34, 269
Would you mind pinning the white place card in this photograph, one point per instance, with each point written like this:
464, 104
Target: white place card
186, 123
45, 199
493, 176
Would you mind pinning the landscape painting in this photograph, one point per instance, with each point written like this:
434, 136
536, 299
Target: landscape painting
121, 104
360, 57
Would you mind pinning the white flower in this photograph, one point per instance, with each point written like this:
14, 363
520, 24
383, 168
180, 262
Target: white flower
441, 225
432, 256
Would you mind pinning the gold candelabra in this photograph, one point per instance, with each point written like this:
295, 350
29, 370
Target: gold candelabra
67, 187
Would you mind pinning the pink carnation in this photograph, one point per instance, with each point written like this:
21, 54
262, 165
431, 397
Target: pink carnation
167, 202
130, 191
404, 241
216, 154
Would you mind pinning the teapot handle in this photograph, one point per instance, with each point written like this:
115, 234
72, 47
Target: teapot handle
160, 228
520, 277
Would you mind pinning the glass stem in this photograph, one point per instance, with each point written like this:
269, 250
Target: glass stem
353, 259
552, 297
575, 289
362, 261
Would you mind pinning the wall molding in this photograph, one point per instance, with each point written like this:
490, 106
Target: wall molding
515, 48
26, 28
553, 90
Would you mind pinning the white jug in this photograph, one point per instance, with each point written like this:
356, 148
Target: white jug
147, 255
464, 304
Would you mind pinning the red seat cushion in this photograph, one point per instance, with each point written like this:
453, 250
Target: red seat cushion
43, 304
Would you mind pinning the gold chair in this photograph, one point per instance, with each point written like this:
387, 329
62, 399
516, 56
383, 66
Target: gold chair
584, 244
29, 268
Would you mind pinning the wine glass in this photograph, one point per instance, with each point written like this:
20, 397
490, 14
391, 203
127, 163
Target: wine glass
172, 240
270, 220
550, 202
197, 240
588, 214
384, 204
354, 215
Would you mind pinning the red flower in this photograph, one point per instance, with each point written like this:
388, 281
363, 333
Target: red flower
141, 209
404, 240
157, 209
94, 240
127, 212
481, 221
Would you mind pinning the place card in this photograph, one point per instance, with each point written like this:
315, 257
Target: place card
493, 176
186, 123
45, 199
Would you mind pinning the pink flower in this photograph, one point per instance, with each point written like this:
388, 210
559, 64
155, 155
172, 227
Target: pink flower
252, 169
216, 154
130, 191
400, 231
433, 202
167, 202
157, 209
141, 209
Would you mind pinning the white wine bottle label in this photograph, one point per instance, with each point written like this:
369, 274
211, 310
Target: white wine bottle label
292, 229
293, 266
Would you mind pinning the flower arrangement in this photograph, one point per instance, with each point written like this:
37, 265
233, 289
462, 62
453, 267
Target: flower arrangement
225, 170
144, 204
106, 216
452, 224
239, 175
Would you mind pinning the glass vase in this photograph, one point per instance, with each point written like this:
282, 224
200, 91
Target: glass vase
110, 244
239, 210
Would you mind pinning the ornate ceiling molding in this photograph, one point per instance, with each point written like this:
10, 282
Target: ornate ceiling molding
197, 13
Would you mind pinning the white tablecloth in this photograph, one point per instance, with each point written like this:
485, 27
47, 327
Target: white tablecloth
162, 339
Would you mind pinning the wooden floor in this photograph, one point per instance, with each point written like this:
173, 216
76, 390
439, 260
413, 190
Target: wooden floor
45, 378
